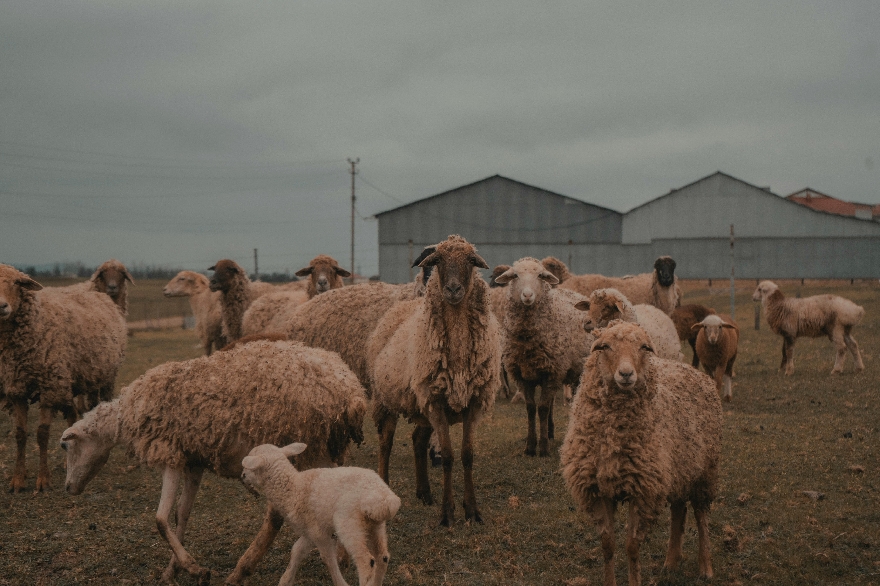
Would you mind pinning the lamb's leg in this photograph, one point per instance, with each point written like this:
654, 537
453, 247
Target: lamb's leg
43, 431
272, 523
441, 426
602, 512
854, 349
788, 354
531, 409
678, 513
355, 534
170, 481
635, 534
545, 409
19, 476
840, 349
298, 552
471, 512
701, 514
327, 548
386, 424
421, 436
378, 544
192, 477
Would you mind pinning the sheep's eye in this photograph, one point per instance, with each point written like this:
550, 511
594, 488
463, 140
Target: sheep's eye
600, 347
64, 446
647, 348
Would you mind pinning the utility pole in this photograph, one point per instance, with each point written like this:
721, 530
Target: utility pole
353, 173
732, 287
256, 267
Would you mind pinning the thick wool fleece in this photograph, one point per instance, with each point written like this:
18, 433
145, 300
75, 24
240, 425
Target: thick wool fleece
641, 288
271, 311
811, 316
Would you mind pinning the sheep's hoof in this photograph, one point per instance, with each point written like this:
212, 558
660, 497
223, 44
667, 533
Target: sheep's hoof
17, 485
42, 484
448, 516
837, 371
203, 577
530, 451
425, 497
543, 453
473, 516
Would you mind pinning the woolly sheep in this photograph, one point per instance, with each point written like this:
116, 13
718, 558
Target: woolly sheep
111, 278
324, 274
658, 288
208, 413
647, 431
605, 305
323, 506
684, 318
205, 305
544, 343
56, 346
717, 339
270, 312
440, 366
557, 267
819, 315
237, 294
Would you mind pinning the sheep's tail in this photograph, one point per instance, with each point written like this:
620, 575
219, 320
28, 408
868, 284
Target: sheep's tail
381, 506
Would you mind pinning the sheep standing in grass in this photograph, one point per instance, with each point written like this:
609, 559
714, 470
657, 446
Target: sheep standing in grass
237, 294
207, 414
819, 315
717, 339
205, 305
544, 343
323, 506
647, 431
440, 365
684, 318
57, 346
658, 288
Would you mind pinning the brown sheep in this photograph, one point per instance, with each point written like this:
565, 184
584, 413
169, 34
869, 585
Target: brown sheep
717, 339
237, 294
557, 267
684, 318
111, 278
658, 288
324, 273
205, 305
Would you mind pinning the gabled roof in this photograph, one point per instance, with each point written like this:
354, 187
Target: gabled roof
692, 183
825, 203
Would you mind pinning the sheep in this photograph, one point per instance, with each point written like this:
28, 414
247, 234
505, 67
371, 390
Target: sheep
828, 315
658, 288
324, 274
111, 278
270, 312
717, 339
237, 294
205, 305
557, 267
645, 430
439, 366
544, 343
61, 348
208, 413
605, 305
323, 506
684, 318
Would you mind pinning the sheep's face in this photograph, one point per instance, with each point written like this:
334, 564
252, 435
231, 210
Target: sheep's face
255, 466
13, 284
184, 284
764, 290
226, 272
603, 306
324, 272
527, 281
87, 452
712, 326
557, 267
665, 269
621, 353
455, 260
497, 272
110, 278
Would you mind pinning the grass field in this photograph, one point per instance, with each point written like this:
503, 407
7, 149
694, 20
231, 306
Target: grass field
799, 500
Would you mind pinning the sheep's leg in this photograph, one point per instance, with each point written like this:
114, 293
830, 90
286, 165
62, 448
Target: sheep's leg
551, 428
327, 548
545, 410
635, 534
678, 513
378, 544
386, 424
191, 480
603, 515
840, 349
701, 514
788, 354
720, 381
531, 409
20, 413
695, 362
854, 349
170, 481
471, 512
298, 552
272, 523
43, 431
441, 426
354, 534
421, 436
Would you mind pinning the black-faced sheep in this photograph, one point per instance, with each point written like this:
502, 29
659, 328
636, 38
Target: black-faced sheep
205, 305
323, 506
57, 346
819, 315
647, 431
237, 294
684, 318
717, 340
440, 366
207, 414
658, 288
543, 343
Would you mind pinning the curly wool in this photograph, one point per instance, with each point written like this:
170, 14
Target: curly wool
234, 301
610, 304
810, 316
639, 289
271, 312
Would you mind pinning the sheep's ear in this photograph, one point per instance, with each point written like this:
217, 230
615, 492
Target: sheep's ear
505, 277
428, 250
304, 272
724, 324
696, 327
252, 462
582, 305
69, 434
342, 272
430, 260
128, 276
620, 305
598, 344
28, 284
548, 277
293, 449
95, 276
479, 262
213, 268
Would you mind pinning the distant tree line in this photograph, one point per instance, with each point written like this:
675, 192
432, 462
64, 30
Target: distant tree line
138, 271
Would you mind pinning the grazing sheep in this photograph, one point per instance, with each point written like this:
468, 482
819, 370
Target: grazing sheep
544, 343
237, 294
557, 267
205, 305
684, 318
647, 431
819, 315
57, 347
207, 414
717, 339
323, 506
111, 278
324, 274
440, 366
658, 288
605, 305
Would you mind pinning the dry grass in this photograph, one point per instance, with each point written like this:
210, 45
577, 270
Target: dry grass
799, 499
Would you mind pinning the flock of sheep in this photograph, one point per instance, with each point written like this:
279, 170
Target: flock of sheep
290, 372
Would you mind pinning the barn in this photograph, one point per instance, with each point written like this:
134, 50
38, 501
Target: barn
506, 220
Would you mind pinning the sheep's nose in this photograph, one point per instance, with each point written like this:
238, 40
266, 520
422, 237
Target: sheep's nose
625, 372
323, 282
4, 308
453, 288
527, 296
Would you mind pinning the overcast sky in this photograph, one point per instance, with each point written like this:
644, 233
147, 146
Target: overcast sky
179, 133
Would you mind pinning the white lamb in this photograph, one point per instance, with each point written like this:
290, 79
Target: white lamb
348, 504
